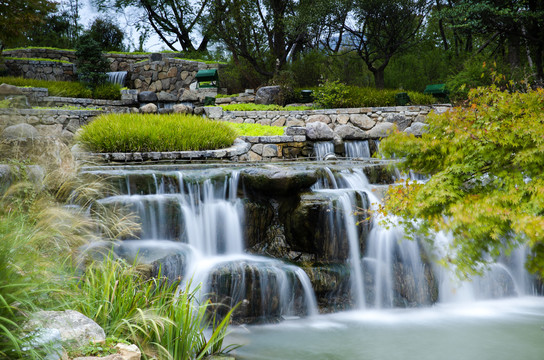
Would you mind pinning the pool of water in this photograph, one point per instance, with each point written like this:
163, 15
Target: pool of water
508, 329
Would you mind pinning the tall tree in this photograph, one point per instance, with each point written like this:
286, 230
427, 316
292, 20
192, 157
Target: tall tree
107, 34
264, 32
176, 22
17, 16
381, 29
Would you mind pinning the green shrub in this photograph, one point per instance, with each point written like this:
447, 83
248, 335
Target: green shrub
257, 129
331, 94
91, 65
107, 91
141, 133
259, 107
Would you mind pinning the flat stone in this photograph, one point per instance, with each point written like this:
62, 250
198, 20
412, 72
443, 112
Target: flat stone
147, 97
213, 112
295, 130
164, 96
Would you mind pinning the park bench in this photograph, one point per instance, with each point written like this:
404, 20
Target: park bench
207, 78
439, 91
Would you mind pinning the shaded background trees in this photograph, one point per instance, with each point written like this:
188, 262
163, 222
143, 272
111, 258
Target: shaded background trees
399, 44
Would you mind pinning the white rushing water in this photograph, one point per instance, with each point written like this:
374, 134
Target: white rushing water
206, 216
357, 149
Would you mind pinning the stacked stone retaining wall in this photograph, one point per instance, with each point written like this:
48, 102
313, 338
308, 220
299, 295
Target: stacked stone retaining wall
42, 70
353, 123
61, 124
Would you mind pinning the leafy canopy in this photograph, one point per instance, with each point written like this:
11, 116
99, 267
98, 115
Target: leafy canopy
487, 184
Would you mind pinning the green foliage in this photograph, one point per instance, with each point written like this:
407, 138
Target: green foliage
221, 96
150, 312
39, 59
331, 94
107, 91
260, 107
68, 88
96, 349
38, 47
487, 185
107, 34
257, 129
141, 133
91, 65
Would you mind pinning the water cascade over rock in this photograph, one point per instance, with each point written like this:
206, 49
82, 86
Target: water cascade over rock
284, 240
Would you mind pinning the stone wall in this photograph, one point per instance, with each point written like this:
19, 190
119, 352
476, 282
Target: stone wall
355, 123
118, 62
61, 124
165, 74
42, 70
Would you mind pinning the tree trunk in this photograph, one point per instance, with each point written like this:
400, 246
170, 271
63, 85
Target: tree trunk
379, 77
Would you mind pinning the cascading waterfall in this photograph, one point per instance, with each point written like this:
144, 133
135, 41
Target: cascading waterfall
322, 149
205, 215
357, 149
117, 77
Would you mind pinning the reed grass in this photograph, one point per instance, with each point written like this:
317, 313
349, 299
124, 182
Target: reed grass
145, 133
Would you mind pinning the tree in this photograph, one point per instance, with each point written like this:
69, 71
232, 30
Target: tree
18, 16
91, 65
381, 29
174, 21
487, 184
107, 34
265, 33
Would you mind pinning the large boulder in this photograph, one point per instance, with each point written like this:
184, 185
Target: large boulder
350, 132
147, 97
6, 89
73, 326
319, 131
381, 130
267, 95
20, 132
417, 129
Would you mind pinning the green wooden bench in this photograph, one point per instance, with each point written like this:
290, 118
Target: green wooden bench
207, 78
439, 91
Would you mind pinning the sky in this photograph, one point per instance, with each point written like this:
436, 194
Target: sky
88, 13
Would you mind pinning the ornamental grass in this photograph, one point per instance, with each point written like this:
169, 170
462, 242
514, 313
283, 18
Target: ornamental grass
257, 129
150, 133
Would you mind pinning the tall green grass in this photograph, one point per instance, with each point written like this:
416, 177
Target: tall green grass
73, 89
152, 312
143, 133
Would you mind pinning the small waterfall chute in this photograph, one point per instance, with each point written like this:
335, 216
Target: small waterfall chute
117, 77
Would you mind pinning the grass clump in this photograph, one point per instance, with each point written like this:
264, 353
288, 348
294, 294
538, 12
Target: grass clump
259, 107
38, 48
144, 133
73, 89
39, 59
257, 129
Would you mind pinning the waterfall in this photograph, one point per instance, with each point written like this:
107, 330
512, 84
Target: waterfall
198, 216
357, 149
323, 149
117, 77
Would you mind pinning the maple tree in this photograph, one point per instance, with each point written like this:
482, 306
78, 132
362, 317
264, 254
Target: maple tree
486, 188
